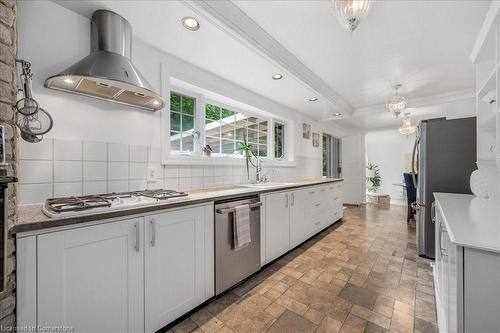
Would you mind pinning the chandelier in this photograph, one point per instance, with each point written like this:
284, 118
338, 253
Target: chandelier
350, 12
407, 128
397, 104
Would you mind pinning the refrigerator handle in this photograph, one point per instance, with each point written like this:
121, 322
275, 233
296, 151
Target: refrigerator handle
413, 158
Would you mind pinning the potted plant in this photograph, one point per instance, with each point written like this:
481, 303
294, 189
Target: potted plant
246, 150
373, 178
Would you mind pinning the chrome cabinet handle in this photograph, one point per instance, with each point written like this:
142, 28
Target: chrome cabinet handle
293, 199
137, 237
286, 202
153, 232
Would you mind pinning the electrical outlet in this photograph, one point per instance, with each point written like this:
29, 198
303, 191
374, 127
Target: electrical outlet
151, 174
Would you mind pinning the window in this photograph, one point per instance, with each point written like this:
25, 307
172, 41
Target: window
279, 140
332, 162
182, 120
226, 129
196, 122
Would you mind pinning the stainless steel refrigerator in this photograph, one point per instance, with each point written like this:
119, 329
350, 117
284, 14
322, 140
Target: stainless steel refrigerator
445, 153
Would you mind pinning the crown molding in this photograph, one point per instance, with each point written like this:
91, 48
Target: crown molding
231, 19
438, 99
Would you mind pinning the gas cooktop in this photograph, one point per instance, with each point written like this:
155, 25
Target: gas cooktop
80, 205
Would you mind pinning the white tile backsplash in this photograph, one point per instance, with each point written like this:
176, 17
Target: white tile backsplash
36, 151
137, 185
67, 189
118, 186
33, 171
67, 171
138, 170
67, 150
95, 151
118, 152
95, 187
138, 153
98, 167
95, 171
118, 170
34, 193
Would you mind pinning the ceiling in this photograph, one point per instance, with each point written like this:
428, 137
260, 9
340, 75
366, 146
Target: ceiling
422, 44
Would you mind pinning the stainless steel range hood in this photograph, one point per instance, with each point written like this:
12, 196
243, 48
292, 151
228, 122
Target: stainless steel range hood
108, 73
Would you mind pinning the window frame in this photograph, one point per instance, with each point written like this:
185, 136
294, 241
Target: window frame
197, 157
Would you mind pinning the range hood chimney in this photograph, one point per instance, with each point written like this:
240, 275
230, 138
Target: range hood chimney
108, 73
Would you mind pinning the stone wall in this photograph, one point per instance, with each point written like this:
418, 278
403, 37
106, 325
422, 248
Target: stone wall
8, 90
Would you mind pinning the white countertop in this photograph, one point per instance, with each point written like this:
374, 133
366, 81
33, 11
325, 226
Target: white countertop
471, 221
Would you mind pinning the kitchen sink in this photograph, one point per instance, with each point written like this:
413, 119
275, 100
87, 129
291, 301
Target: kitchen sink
267, 185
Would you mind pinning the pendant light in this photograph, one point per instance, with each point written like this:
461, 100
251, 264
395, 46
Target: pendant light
407, 128
397, 104
350, 12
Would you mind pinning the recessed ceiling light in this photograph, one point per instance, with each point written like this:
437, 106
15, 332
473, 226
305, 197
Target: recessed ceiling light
277, 76
155, 102
336, 114
313, 99
68, 80
190, 23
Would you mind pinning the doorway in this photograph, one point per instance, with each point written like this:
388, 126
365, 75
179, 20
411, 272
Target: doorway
332, 156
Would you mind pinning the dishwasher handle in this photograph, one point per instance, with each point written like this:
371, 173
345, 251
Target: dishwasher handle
231, 210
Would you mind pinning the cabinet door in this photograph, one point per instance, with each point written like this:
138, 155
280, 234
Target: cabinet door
300, 222
175, 243
277, 225
91, 278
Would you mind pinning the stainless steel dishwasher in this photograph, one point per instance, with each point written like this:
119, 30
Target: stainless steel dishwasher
233, 266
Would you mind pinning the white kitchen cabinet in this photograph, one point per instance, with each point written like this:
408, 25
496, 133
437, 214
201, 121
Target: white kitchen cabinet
466, 272
292, 217
300, 224
277, 224
92, 278
177, 269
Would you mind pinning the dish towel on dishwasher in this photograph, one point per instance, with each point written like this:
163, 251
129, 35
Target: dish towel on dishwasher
241, 227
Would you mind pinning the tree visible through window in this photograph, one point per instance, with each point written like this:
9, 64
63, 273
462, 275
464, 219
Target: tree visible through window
182, 120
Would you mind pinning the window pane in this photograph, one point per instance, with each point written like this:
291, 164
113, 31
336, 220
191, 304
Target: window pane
252, 123
187, 142
263, 126
175, 121
227, 115
263, 150
279, 136
175, 102
263, 138
212, 128
252, 136
241, 129
227, 147
227, 131
187, 123
214, 143
212, 112
175, 141
188, 105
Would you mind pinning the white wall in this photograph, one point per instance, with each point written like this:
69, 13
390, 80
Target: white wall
353, 165
388, 150
52, 38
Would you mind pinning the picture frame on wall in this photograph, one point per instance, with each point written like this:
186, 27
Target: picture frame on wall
315, 140
306, 131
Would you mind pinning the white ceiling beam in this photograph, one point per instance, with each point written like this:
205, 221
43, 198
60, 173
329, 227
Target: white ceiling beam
444, 98
226, 15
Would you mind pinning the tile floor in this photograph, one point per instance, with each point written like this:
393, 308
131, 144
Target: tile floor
360, 275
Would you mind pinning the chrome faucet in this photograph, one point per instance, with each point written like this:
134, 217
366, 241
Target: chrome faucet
259, 177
